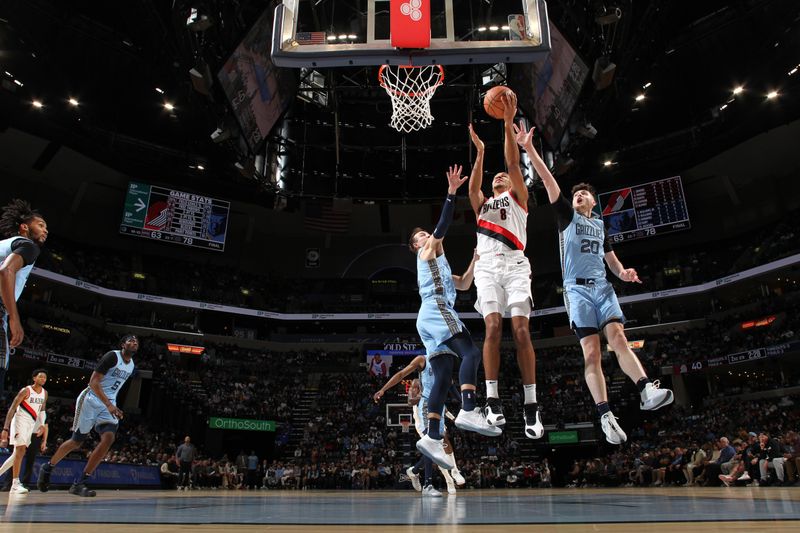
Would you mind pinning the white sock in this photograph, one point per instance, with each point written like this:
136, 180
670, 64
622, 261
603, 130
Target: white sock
446, 474
8, 463
530, 393
491, 389
455, 468
16, 481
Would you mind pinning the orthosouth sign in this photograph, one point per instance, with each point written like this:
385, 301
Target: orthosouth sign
241, 424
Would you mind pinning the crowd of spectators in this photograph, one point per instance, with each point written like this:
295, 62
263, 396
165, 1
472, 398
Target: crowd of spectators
205, 281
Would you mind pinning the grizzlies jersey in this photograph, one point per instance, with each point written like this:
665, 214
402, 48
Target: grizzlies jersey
502, 225
435, 280
582, 244
426, 380
117, 372
7, 247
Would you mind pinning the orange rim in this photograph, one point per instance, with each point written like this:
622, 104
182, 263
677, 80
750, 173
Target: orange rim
440, 81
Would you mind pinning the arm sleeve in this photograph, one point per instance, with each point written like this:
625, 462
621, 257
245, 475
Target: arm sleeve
564, 212
446, 217
108, 361
607, 244
26, 249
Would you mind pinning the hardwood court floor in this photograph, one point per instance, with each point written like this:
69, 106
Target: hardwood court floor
686, 510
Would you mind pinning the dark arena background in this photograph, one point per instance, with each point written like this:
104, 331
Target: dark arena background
220, 179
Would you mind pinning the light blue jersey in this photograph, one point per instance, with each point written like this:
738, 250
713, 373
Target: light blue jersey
582, 243
426, 380
90, 412
115, 377
437, 321
588, 297
22, 273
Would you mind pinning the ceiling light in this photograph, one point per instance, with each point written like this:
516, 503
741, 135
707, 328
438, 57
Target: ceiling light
772, 94
159, 90
482, 28
73, 102
200, 167
9, 74
342, 37
738, 90
639, 97
494, 28
168, 106
504, 28
646, 85
723, 106
331, 37
791, 72
18, 83
37, 104
607, 163
351, 37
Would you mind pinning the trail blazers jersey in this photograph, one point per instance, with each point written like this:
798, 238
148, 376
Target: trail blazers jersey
502, 224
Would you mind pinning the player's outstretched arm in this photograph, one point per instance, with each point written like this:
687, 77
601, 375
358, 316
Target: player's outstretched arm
433, 246
525, 139
510, 150
418, 363
615, 265
464, 281
476, 198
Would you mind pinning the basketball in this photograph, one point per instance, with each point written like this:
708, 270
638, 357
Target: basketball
493, 102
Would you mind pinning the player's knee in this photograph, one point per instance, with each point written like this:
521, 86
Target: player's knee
494, 326
592, 358
521, 333
616, 335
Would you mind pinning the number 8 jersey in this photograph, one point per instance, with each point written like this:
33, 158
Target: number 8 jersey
582, 242
502, 225
115, 373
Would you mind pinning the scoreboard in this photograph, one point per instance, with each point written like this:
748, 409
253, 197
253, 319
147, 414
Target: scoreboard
645, 210
175, 216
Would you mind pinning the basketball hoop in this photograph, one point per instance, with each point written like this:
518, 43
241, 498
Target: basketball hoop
405, 421
411, 89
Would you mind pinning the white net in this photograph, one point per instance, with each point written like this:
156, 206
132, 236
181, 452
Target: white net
411, 89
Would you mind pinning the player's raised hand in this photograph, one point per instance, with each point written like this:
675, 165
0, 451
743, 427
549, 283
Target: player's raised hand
629, 275
475, 139
523, 138
454, 179
377, 396
510, 106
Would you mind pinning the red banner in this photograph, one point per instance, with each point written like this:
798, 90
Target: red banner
410, 23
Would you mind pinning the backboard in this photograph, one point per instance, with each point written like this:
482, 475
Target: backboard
328, 33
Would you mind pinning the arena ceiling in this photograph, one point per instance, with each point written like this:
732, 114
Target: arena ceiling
122, 61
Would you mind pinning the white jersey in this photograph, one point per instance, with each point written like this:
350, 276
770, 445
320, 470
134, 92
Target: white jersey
502, 225
30, 407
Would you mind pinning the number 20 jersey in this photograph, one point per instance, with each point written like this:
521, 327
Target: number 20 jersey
502, 224
582, 244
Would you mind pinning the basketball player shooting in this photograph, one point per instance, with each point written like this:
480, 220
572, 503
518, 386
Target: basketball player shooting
590, 299
503, 273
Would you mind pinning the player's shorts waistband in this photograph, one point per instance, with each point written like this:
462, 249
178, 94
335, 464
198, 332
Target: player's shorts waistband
507, 253
586, 282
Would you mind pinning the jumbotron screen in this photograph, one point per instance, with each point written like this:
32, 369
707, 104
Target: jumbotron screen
645, 210
174, 216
